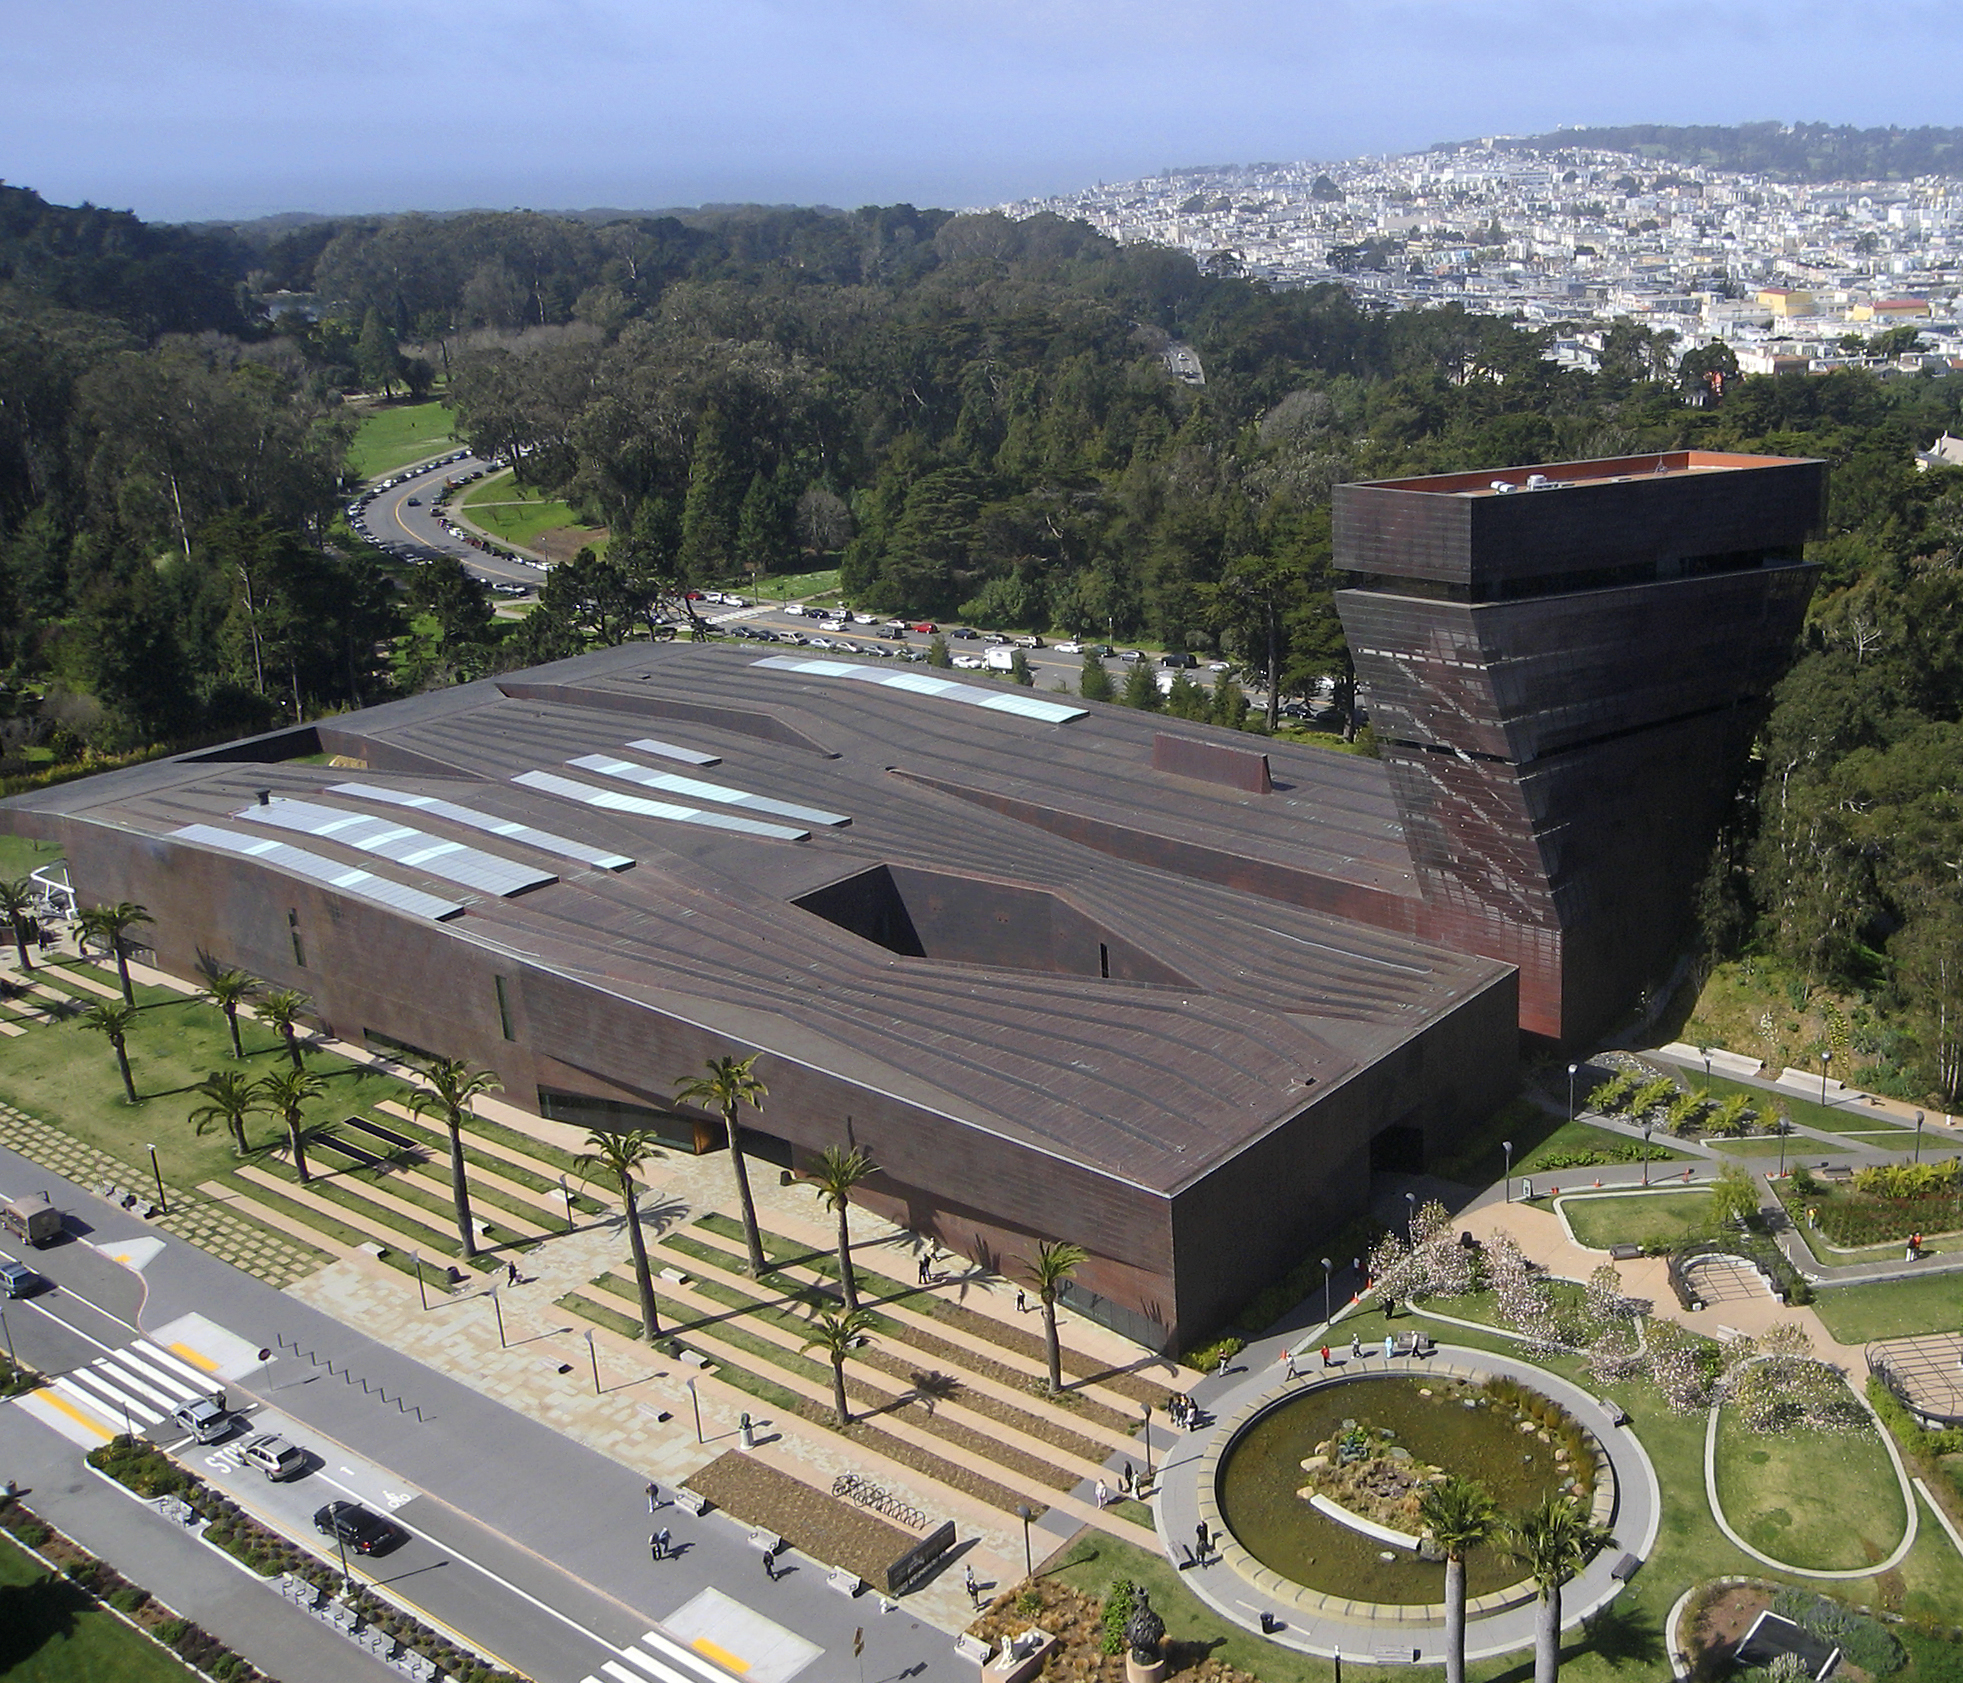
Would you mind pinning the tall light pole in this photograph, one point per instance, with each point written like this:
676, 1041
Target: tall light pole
163, 1203
1507, 1147
567, 1192
1825, 1059
593, 1356
1148, 1441
1704, 1052
1410, 1214
1573, 1071
1782, 1128
6, 1332
497, 1309
1648, 1129
422, 1290
1327, 1269
695, 1403
1024, 1514
1918, 1136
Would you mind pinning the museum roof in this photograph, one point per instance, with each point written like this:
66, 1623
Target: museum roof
647, 819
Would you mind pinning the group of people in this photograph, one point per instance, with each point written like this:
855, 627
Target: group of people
1182, 1411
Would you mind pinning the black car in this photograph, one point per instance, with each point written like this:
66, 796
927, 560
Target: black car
354, 1525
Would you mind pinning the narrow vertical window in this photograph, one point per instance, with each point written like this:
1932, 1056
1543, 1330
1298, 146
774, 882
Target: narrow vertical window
1104, 961
504, 1009
293, 929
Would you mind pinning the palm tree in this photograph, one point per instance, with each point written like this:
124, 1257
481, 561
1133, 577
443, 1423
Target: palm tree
1460, 1514
729, 1083
17, 900
1553, 1542
283, 1008
623, 1156
1053, 1267
114, 1022
286, 1093
110, 926
839, 1170
228, 990
452, 1085
229, 1099
838, 1332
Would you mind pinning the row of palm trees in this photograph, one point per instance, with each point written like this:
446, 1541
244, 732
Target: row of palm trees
1551, 1541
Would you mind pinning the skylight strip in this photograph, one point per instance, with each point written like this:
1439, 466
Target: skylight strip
915, 683
613, 800
668, 751
472, 867
298, 862
543, 840
674, 783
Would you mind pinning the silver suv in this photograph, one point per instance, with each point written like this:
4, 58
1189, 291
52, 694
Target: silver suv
207, 1419
274, 1456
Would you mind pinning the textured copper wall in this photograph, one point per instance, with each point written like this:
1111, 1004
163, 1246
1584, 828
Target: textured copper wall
1561, 761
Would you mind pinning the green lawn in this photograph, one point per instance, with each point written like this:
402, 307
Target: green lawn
1637, 1218
1892, 1309
791, 587
51, 1632
1825, 1500
518, 514
393, 437
19, 855
1539, 1136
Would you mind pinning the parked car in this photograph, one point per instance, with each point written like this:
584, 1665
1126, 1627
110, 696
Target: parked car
1070, 646
358, 1528
964, 633
415, 502
926, 627
275, 1456
968, 662
1178, 662
1030, 642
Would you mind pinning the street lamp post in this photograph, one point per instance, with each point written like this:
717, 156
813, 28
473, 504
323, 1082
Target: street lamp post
593, 1356
1025, 1514
1648, 1129
163, 1203
1148, 1441
1825, 1059
1573, 1071
422, 1290
1327, 1269
497, 1309
6, 1332
1410, 1214
1507, 1147
695, 1403
347, 1572
567, 1192
1782, 1128
1918, 1136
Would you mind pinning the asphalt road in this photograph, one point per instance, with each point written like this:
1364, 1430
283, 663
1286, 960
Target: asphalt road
392, 521
532, 1545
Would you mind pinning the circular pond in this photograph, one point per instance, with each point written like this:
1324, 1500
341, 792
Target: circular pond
1373, 1443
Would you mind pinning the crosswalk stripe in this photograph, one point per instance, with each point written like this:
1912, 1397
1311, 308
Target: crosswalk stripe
143, 1362
123, 1378
653, 1667
169, 1362
110, 1408
79, 1425
663, 1644
613, 1668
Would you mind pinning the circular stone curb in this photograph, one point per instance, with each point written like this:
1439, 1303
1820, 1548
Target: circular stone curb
1351, 1626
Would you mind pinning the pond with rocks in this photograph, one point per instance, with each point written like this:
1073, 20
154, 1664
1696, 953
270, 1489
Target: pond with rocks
1312, 1485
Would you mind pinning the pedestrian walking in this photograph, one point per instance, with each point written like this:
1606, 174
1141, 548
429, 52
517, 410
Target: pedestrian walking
1103, 1494
1390, 1307
1325, 1355
654, 1496
770, 1564
1220, 1366
654, 1547
1390, 1347
923, 1268
1356, 1348
974, 1590
661, 1544
1022, 1302
511, 1273
1203, 1539
1288, 1365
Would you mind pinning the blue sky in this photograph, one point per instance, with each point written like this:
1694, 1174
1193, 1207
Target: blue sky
245, 107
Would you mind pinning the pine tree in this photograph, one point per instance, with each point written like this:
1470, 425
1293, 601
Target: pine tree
708, 539
1095, 683
1019, 670
1142, 688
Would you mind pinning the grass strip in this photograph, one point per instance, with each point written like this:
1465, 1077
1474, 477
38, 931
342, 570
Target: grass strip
965, 1438
612, 1319
436, 1141
333, 1191
1005, 1414
1009, 1338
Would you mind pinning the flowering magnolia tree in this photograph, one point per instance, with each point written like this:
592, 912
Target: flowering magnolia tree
1777, 1384
1431, 1263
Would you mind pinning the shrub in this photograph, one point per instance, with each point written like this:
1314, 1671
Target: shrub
1863, 1641
1117, 1614
1908, 1180
1208, 1356
1611, 1095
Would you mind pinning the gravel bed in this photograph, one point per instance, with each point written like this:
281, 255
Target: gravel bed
835, 1532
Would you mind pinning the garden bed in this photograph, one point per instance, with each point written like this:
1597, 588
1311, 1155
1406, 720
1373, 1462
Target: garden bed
824, 1527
